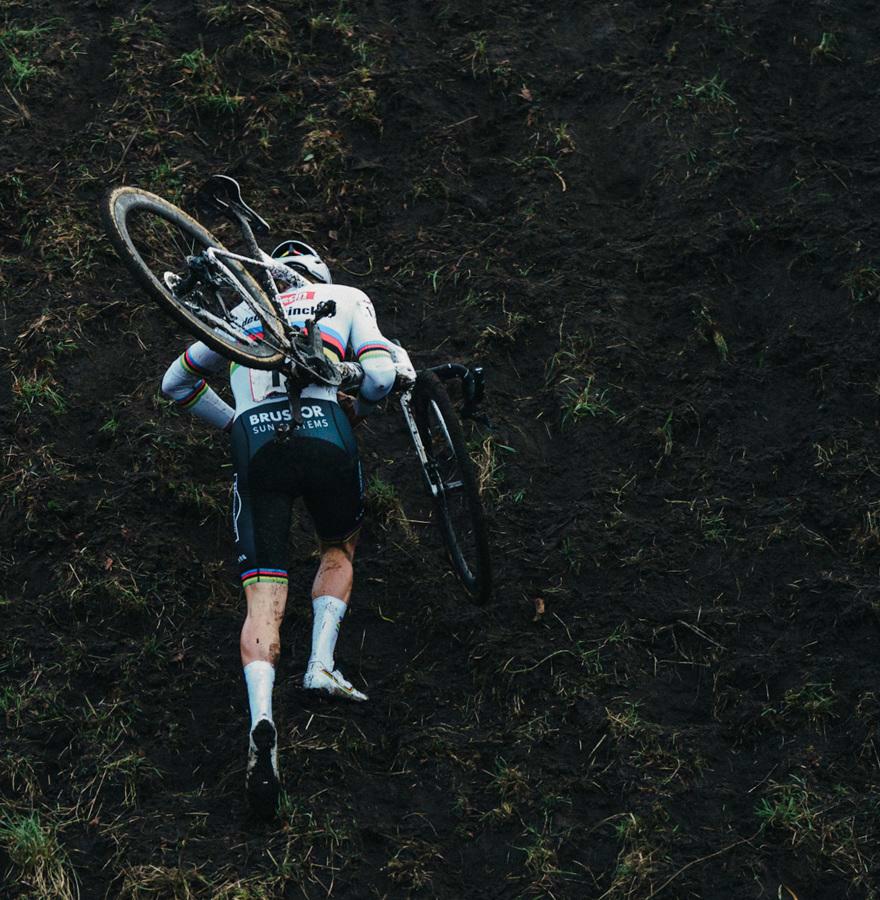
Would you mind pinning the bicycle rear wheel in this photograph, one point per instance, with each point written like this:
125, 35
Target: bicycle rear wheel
451, 474
153, 239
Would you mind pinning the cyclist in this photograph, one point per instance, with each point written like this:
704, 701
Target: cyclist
318, 461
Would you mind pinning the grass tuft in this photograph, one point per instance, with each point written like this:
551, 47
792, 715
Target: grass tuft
202, 83
22, 47
35, 850
863, 283
710, 93
37, 390
383, 501
587, 401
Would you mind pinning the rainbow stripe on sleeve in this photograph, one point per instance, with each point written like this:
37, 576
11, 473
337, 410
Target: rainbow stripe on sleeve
254, 576
190, 365
192, 398
372, 350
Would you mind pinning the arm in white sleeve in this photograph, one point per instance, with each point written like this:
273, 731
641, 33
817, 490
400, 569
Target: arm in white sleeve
373, 352
185, 384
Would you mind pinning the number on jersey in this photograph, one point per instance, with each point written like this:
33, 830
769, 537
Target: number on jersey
265, 384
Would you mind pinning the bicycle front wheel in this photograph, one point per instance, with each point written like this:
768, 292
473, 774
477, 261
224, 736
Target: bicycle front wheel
453, 480
153, 239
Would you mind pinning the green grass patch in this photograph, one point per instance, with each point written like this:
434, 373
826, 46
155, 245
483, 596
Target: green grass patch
710, 94
585, 402
383, 502
202, 83
35, 851
863, 283
37, 390
22, 48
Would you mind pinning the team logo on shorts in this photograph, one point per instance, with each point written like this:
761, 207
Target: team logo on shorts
313, 417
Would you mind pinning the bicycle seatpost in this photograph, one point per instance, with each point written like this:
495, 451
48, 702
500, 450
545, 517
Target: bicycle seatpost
253, 247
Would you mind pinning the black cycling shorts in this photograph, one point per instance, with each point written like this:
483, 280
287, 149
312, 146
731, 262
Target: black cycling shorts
318, 462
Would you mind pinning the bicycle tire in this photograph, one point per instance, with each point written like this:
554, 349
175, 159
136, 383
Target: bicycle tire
127, 209
457, 502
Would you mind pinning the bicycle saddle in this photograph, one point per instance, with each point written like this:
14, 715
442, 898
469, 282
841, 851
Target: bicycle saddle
221, 194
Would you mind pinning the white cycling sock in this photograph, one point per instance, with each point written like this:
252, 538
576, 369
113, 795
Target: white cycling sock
259, 677
328, 612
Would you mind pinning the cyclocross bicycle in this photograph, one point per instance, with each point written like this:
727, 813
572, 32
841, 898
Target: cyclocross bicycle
206, 287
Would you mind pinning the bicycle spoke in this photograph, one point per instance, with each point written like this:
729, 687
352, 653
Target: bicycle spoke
270, 336
175, 239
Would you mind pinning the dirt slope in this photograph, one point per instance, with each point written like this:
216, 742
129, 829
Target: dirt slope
655, 225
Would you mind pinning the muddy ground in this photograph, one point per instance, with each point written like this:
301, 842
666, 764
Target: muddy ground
655, 225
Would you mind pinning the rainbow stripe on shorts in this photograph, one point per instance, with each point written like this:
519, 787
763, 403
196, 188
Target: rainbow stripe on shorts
255, 576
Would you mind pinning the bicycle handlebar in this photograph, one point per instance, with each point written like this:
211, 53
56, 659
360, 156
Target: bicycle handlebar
472, 382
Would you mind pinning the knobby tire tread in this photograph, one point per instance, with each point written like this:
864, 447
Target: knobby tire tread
137, 198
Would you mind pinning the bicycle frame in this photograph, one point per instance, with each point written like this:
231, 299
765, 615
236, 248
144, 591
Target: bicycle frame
410, 419
294, 366
216, 256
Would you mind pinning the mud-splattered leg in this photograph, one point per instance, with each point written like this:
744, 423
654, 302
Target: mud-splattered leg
261, 644
260, 634
260, 649
336, 571
331, 592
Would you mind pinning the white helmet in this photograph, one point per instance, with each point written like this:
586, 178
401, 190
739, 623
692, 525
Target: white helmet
303, 258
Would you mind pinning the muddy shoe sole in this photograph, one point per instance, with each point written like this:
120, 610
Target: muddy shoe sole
262, 783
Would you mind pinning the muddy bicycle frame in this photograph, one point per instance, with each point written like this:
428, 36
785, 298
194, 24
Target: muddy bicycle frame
221, 195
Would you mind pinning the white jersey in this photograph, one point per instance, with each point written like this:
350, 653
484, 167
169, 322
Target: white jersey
351, 332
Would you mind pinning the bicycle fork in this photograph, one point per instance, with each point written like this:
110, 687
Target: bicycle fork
429, 469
